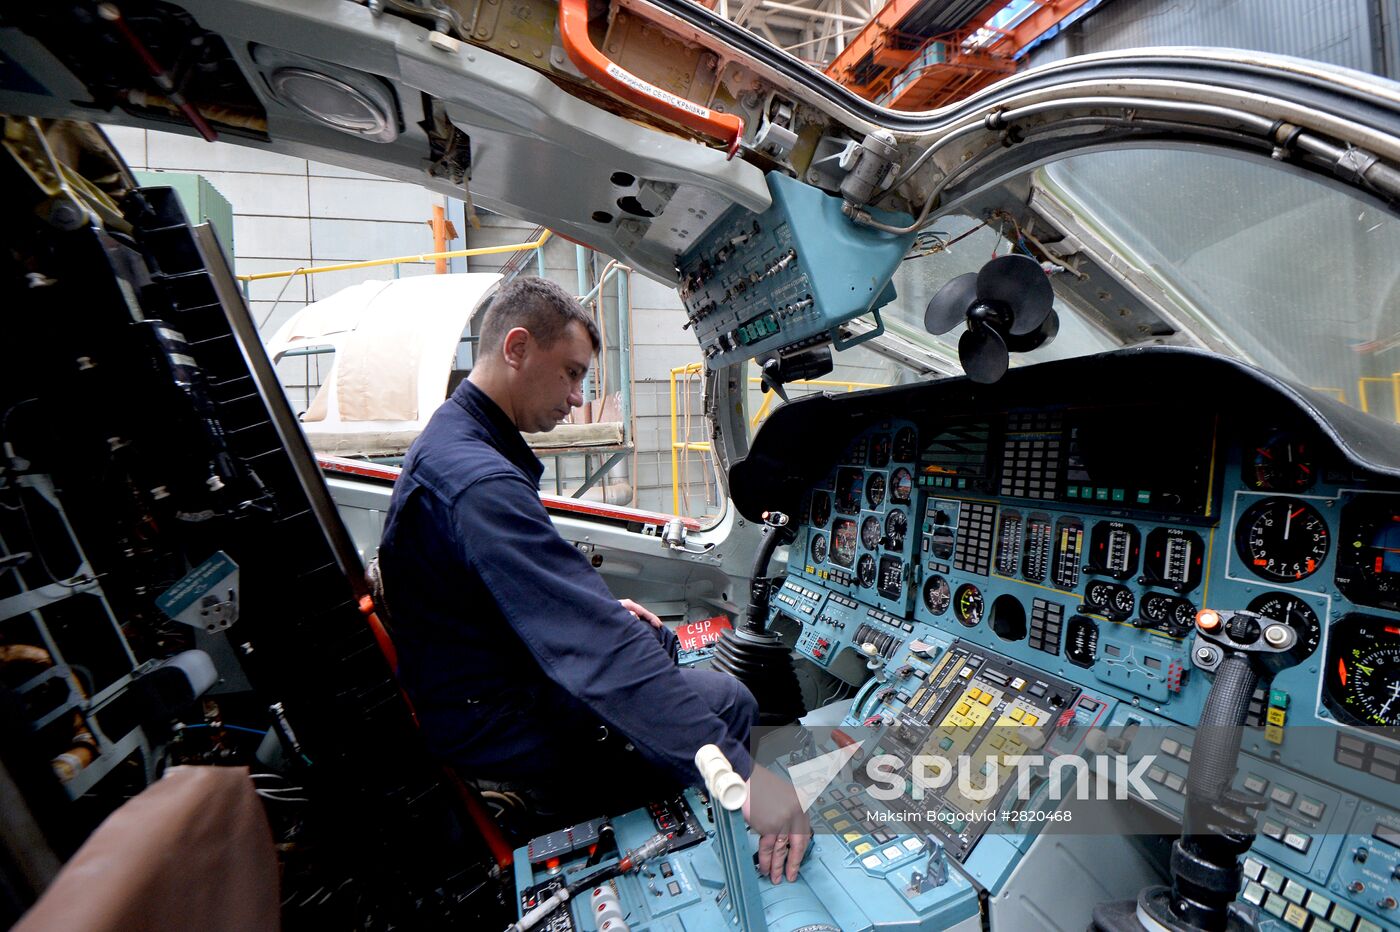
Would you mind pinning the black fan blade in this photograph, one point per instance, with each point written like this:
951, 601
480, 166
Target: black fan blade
983, 355
1040, 336
1018, 284
949, 305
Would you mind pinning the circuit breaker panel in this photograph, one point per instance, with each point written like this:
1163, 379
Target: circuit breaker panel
789, 277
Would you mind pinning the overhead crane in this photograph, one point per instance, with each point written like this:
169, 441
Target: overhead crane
922, 54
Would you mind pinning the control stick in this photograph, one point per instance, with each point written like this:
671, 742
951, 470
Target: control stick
1217, 825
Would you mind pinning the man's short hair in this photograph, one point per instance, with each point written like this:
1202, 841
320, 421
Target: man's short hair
538, 305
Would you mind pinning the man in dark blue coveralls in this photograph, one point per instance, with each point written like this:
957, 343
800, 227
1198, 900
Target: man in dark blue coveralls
514, 652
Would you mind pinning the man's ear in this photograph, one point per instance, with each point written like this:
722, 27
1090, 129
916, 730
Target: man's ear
514, 347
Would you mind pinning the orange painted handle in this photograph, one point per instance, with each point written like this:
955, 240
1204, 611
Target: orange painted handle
573, 28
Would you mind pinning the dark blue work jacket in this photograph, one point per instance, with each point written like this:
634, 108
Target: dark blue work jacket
505, 633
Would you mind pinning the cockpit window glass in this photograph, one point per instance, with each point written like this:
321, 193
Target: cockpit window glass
1300, 278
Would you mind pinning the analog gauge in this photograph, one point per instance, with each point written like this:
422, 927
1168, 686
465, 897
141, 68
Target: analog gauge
1167, 613
848, 488
1156, 608
1297, 614
1040, 536
896, 527
901, 486
879, 451
1098, 593
865, 571
967, 606
1081, 641
1282, 539
1363, 671
890, 583
1175, 559
905, 445
875, 489
843, 542
1368, 557
817, 551
937, 595
1122, 601
1069, 550
870, 533
1281, 463
821, 508
1113, 549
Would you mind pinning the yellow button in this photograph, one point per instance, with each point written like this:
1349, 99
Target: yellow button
1295, 916
863, 846
1030, 719
1273, 734
851, 836
1017, 714
1278, 716
985, 698
964, 708
998, 742
841, 826
831, 814
974, 692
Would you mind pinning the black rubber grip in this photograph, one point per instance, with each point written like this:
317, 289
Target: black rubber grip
1215, 754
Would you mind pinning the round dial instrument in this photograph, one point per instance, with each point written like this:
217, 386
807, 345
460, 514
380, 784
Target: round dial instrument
967, 605
879, 450
875, 489
1363, 671
1282, 539
870, 533
1297, 614
937, 595
817, 550
1368, 555
821, 508
904, 444
865, 571
896, 527
901, 486
1280, 463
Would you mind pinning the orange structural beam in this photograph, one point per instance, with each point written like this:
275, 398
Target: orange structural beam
1051, 13
573, 31
873, 35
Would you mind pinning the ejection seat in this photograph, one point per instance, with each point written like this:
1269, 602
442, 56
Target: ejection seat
503, 819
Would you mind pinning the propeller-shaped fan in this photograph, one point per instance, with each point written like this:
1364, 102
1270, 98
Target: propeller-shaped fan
1009, 308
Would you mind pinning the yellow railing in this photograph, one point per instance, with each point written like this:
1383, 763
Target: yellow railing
762, 413
400, 260
680, 446
1393, 381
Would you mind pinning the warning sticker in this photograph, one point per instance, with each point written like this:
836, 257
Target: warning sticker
651, 90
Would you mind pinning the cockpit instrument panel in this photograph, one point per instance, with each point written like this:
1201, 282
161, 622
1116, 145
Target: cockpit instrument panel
859, 536
1077, 537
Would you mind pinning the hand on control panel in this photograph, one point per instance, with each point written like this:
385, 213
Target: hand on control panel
784, 831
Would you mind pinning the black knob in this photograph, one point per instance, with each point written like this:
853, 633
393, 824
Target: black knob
1361, 855
1243, 630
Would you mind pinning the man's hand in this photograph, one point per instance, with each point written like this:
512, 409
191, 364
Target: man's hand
784, 831
641, 612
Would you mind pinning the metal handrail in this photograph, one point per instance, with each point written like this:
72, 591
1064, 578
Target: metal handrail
399, 260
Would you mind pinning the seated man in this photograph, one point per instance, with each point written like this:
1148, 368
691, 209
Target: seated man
523, 667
